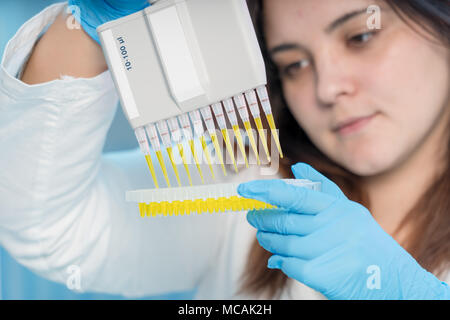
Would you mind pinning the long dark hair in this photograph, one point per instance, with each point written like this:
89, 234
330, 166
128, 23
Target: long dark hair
429, 241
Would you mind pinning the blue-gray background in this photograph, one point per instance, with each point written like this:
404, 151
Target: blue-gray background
17, 282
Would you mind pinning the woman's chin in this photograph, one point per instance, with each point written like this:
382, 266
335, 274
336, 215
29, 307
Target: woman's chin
367, 163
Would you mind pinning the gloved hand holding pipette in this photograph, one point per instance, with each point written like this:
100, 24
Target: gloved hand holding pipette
334, 245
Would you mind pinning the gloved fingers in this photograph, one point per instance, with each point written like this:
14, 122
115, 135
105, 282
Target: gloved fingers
303, 247
291, 198
282, 222
292, 267
305, 171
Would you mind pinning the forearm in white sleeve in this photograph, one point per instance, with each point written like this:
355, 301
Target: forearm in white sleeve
62, 203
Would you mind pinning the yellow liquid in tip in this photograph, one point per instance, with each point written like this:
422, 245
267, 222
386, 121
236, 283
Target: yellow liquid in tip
194, 154
183, 157
199, 206
218, 152
238, 136
163, 167
148, 158
226, 138
262, 136
174, 166
248, 129
273, 129
142, 209
208, 157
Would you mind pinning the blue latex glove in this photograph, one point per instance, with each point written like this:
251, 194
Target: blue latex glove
93, 13
334, 245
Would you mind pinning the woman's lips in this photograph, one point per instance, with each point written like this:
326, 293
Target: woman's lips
355, 126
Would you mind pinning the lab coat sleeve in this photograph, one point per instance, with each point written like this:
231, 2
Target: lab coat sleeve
63, 212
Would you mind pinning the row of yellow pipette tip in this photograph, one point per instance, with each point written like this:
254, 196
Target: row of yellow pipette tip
170, 131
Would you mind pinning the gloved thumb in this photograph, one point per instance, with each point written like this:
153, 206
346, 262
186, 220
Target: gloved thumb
303, 170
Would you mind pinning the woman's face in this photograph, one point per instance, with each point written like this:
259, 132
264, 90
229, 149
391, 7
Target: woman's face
334, 68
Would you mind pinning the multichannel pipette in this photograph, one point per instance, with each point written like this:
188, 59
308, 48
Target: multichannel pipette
177, 59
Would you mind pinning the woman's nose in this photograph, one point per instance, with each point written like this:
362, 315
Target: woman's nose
335, 77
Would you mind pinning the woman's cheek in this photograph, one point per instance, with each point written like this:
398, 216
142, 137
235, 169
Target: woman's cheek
315, 123
301, 102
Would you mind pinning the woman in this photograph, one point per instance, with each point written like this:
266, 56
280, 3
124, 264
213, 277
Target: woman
62, 201
327, 67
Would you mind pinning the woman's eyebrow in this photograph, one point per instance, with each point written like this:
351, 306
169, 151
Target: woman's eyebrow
286, 47
330, 28
346, 17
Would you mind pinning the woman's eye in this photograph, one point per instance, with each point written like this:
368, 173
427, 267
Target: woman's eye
361, 39
292, 68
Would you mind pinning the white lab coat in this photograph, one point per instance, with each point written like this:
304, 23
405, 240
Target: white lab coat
62, 202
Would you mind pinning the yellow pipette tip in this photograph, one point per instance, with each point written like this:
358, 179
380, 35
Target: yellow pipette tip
148, 158
163, 167
183, 157
199, 206
237, 134
248, 128
174, 166
226, 138
262, 136
273, 129
142, 209
194, 154
208, 157
219, 153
